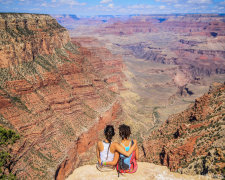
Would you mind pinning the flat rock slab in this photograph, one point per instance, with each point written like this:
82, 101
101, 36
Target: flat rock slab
145, 171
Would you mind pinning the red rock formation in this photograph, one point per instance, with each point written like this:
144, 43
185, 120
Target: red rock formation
56, 94
199, 56
201, 24
129, 27
190, 140
109, 65
24, 36
84, 142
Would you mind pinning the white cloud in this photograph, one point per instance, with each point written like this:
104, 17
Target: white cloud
6, 2
178, 5
44, 4
162, 7
111, 5
105, 1
199, 1
35, 9
72, 2
53, 1
223, 3
168, 1
140, 6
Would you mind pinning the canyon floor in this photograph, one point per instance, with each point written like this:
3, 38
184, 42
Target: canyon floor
151, 88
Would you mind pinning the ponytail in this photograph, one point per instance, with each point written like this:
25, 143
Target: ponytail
109, 133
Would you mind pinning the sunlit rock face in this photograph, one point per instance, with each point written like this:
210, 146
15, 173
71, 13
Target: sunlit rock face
55, 93
192, 142
145, 171
25, 36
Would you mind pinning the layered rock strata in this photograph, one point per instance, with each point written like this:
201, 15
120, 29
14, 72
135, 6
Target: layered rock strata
192, 142
194, 42
56, 94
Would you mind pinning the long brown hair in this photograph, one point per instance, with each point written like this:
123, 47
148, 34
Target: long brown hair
124, 131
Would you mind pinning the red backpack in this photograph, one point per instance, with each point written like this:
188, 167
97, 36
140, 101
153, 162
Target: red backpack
122, 167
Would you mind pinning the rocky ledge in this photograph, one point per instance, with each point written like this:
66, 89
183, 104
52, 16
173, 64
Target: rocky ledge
145, 171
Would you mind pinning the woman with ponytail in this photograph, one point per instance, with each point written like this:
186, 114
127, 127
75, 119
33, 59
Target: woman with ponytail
108, 151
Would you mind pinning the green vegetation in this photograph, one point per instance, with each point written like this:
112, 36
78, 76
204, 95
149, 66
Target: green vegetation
45, 63
11, 32
5, 75
156, 115
19, 32
7, 137
14, 99
24, 31
68, 130
72, 48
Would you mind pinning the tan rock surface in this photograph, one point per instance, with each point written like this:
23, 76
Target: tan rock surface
145, 171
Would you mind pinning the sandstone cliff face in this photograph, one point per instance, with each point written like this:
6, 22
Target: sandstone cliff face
56, 94
113, 64
192, 141
25, 36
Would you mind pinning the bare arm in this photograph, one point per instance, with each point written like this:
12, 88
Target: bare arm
98, 153
115, 160
137, 153
121, 150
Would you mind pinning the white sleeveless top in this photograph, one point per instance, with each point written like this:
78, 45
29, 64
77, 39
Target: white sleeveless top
103, 154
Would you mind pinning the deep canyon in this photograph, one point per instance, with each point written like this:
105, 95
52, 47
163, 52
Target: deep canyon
161, 74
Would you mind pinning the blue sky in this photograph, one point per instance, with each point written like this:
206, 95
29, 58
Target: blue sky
115, 7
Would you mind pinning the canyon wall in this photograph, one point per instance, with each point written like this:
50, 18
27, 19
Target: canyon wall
192, 142
194, 42
55, 93
196, 24
171, 60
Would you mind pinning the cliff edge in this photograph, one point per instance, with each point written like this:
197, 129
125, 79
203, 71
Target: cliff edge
145, 171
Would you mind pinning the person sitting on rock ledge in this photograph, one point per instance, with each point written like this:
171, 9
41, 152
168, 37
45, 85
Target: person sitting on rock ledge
108, 151
127, 164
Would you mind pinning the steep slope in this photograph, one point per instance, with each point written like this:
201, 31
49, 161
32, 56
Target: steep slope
192, 142
54, 93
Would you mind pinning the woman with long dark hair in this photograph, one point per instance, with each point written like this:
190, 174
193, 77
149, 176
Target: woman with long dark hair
127, 163
108, 151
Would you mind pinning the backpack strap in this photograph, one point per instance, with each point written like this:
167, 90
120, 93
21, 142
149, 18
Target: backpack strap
130, 143
123, 145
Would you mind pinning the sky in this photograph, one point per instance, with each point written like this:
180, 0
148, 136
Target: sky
112, 7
